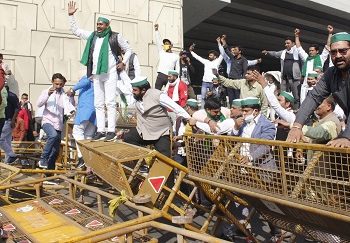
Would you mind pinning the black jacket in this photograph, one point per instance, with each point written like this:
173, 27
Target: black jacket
115, 48
330, 84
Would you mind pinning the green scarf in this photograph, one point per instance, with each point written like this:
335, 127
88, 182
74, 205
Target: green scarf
317, 63
216, 118
102, 64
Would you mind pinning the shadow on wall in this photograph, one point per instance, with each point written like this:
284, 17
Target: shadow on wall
13, 84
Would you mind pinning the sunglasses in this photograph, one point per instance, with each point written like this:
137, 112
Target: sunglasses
342, 51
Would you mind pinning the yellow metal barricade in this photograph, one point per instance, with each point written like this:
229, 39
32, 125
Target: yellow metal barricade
126, 117
118, 164
302, 188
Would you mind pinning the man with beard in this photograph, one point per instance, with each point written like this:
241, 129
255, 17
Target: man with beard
104, 67
153, 123
249, 87
176, 89
335, 82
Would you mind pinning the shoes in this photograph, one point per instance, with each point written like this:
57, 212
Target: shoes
42, 164
144, 169
81, 163
51, 183
99, 136
11, 160
25, 162
110, 136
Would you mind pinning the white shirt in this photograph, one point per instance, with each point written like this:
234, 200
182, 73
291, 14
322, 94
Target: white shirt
284, 114
208, 66
310, 64
225, 126
167, 60
247, 133
84, 34
168, 103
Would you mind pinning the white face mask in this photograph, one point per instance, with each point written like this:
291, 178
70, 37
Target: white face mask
317, 116
248, 119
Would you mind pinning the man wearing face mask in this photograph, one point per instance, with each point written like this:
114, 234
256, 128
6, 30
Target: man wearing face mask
335, 82
153, 123
311, 81
167, 59
176, 89
255, 125
186, 71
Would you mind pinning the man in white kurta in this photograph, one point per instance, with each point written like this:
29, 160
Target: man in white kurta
106, 82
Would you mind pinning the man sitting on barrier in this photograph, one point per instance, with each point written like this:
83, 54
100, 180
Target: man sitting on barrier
153, 123
255, 125
213, 118
327, 127
335, 81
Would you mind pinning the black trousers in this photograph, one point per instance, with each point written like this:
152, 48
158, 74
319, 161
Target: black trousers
162, 144
2, 123
161, 80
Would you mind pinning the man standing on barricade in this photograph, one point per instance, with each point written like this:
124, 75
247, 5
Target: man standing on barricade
103, 65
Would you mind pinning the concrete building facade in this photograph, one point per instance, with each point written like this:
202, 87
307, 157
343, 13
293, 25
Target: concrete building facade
36, 41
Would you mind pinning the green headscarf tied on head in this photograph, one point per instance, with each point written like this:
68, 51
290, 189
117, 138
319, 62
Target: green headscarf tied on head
102, 63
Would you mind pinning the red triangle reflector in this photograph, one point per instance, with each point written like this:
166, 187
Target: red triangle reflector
55, 201
156, 183
93, 224
72, 212
9, 227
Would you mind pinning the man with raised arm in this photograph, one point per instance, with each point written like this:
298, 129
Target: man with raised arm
312, 60
167, 59
335, 82
101, 57
210, 64
290, 67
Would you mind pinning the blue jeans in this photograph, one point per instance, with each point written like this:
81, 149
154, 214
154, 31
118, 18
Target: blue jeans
205, 86
52, 147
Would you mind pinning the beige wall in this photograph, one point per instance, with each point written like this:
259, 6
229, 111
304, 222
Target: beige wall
36, 41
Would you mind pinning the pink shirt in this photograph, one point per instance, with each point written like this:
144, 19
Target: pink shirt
55, 119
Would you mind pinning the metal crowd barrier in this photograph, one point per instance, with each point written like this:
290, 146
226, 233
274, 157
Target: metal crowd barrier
302, 188
118, 164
